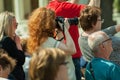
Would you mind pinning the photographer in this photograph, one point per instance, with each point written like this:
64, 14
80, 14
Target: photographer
70, 10
71, 21
41, 28
59, 19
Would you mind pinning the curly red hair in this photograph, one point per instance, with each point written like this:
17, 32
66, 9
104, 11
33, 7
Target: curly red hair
41, 25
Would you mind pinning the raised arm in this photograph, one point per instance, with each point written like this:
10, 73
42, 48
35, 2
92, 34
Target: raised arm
91, 2
94, 3
74, 1
112, 30
68, 46
117, 27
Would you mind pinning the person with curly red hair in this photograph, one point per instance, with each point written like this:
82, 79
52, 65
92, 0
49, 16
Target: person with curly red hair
42, 30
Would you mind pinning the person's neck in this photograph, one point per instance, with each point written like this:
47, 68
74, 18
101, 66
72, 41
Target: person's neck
101, 55
87, 33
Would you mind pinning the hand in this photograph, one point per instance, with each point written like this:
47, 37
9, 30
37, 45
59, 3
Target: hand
74, 1
94, 3
17, 41
66, 23
61, 25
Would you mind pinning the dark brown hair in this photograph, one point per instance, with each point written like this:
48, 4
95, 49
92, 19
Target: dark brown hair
6, 61
88, 17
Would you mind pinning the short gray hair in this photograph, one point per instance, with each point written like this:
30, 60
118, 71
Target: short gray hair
95, 39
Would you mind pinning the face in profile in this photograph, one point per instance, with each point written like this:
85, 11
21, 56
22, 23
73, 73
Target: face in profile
109, 48
98, 23
14, 24
4, 72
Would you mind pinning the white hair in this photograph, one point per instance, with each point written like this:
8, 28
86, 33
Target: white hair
95, 39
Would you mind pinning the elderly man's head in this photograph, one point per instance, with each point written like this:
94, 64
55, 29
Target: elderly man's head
100, 44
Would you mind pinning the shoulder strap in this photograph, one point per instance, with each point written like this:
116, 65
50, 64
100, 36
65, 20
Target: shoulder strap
91, 70
55, 43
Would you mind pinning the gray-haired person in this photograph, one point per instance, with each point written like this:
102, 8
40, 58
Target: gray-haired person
100, 68
91, 21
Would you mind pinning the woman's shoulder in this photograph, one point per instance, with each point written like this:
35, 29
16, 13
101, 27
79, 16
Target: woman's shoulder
7, 40
50, 42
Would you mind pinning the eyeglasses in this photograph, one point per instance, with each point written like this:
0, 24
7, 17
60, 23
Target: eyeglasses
16, 24
64, 63
106, 40
102, 20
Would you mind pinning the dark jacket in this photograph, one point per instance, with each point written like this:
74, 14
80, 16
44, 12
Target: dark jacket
10, 46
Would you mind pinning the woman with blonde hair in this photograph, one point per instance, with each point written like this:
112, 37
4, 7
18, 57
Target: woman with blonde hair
10, 42
42, 30
48, 64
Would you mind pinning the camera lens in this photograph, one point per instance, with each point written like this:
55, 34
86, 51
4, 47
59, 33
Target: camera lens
73, 21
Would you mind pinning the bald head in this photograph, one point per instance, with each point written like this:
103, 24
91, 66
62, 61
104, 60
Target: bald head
95, 39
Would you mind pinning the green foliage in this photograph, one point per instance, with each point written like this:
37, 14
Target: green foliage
116, 5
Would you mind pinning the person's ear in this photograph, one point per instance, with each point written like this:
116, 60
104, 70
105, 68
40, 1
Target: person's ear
93, 25
102, 46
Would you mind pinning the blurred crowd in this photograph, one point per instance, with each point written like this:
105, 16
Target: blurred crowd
55, 48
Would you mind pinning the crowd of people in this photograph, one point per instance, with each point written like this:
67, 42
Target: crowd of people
55, 46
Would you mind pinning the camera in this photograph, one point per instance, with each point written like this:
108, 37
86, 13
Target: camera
71, 21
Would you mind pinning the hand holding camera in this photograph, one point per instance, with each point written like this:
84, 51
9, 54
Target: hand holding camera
60, 22
66, 23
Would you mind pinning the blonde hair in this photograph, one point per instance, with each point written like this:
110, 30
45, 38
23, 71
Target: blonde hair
41, 25
45, 63
6, 21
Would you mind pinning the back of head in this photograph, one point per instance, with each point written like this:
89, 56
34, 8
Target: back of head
6, 62
6, 22
95, 39
88, 17
45, 63
41, 25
